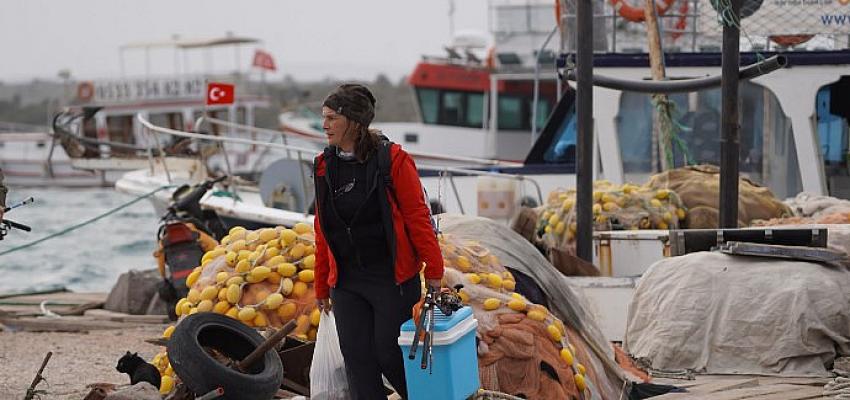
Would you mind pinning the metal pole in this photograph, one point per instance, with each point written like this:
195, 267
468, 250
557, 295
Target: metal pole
584, 111
729, 140
537, 85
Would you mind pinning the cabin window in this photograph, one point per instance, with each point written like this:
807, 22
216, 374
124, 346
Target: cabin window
475, 109
159, 120
832, 126
452, 113
175, 120
120, 128
429, 102
510, 113
451, 107
542, 112
764, 128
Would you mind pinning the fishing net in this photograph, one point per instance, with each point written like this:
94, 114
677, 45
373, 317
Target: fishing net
615, 207
698, 187
525, 348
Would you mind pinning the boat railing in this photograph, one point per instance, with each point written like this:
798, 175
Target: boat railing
420, 154
444, 171
16, 127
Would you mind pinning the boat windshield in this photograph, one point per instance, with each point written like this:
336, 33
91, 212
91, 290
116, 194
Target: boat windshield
563, 147
768, 155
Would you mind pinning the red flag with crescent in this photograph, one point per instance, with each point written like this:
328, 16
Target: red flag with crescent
220, 93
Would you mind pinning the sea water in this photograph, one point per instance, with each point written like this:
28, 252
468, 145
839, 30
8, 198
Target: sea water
87, 259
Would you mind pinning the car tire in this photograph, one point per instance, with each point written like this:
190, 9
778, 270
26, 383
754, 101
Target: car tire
202, 373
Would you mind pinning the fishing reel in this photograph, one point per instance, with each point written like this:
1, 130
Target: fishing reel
7, 225
448, 300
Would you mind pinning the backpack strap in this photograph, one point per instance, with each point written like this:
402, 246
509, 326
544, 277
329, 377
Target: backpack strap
385, 162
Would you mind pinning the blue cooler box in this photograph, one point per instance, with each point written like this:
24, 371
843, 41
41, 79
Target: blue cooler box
454, 373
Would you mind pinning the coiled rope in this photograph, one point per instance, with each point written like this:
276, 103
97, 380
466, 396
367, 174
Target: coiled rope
86, 222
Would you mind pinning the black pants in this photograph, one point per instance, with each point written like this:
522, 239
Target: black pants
369, 314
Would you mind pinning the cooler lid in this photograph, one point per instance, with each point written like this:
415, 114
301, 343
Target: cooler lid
442, 323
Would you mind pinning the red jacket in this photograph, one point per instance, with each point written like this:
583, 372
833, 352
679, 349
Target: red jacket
415, 241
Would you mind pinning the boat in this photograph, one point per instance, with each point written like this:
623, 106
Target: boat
479, 91
98, 129
29, 158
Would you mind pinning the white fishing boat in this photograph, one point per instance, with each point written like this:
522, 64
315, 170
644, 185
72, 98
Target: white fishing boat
98, 130
29, 158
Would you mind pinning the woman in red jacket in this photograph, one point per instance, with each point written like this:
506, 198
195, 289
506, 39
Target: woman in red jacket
373, 236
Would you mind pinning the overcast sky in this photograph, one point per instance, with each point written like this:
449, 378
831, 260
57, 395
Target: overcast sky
309, 39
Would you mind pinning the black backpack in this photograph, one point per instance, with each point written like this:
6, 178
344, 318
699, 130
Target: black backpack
384, 165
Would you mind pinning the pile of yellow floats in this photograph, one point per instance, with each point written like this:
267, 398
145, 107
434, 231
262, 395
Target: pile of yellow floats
263, 278
624, 207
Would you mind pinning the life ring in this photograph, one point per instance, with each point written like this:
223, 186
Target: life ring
636, 14
682, 22
85, 91
790, 40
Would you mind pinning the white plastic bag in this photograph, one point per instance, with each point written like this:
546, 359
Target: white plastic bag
327, 372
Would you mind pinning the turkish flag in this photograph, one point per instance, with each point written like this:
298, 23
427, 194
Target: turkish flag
263, 60
220, 93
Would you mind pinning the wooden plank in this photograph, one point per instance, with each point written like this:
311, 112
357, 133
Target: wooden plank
803, 393
73, 298
774, 380
746, 393
63, 324
60, 303
673, 396
107, 315
82, 308
724, 385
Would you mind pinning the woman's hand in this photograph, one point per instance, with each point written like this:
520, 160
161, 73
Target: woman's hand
324, 305
434, 284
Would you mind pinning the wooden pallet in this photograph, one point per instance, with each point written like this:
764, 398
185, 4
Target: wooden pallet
78, 312
63, 303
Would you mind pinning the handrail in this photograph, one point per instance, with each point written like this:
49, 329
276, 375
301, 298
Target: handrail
235, 125
467, 171
685, 85
201, 136
458, 170
442, 157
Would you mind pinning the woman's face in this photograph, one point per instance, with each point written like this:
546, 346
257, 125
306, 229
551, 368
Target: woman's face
335, 126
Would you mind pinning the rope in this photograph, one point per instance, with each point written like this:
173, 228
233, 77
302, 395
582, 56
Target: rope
86, 222
493, 395
670, 126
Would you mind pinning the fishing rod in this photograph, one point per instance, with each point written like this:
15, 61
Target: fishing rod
6, 225
23, 202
